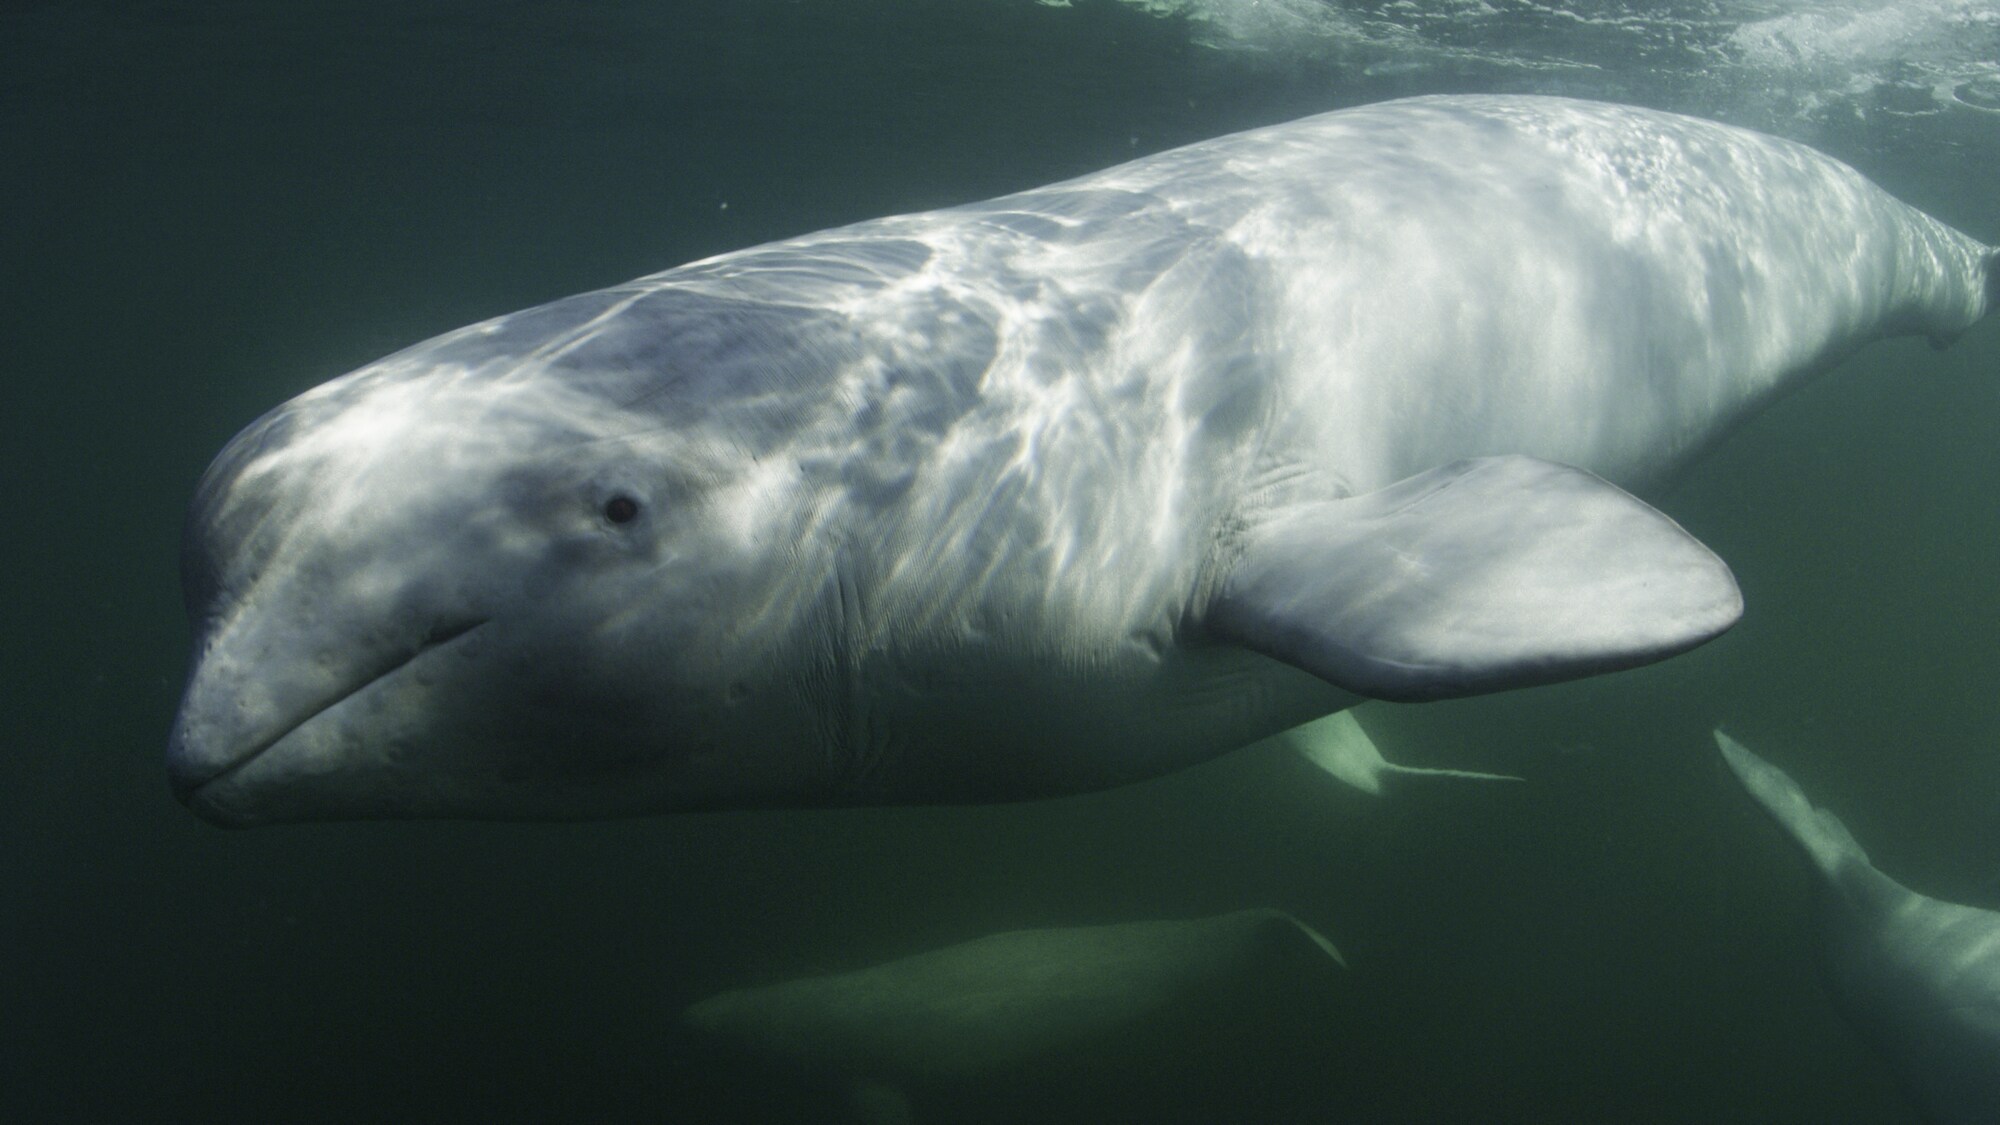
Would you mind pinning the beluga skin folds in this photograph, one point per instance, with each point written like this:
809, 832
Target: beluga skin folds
1042, 494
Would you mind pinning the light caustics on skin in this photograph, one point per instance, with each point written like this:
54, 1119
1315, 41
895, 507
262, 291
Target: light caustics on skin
1039, 494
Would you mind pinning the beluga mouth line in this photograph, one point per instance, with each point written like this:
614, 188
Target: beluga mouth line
1043, 494
440, 635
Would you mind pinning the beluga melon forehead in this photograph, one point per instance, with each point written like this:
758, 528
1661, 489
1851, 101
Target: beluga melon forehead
369, 450
663, 373
371, 442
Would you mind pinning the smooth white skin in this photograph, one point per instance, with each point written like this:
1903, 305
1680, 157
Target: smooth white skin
932, 505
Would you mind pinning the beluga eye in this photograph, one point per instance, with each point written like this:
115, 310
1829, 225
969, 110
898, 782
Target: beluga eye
621, 509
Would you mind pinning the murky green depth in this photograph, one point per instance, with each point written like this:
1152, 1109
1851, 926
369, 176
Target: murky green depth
210, 207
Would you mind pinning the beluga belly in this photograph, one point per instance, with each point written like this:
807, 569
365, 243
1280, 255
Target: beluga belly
1042, 494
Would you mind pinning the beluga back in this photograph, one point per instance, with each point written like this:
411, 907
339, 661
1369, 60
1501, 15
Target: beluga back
1042, 494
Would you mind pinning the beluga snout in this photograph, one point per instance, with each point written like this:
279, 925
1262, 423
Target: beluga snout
292, 707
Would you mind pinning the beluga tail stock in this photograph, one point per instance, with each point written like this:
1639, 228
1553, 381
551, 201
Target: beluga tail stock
1038, 495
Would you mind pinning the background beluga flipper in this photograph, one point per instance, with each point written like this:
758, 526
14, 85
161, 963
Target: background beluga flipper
1338, 745
1920, 977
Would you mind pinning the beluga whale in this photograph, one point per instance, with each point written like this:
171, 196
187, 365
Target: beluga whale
1199, 1019
1042, 494
1919, 976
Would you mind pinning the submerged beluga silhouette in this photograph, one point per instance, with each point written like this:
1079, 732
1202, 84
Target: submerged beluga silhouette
1919, 976
1038, 495
1180, 1020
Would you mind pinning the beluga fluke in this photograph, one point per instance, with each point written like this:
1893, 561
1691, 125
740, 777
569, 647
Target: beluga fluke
1918, 975
1038, 495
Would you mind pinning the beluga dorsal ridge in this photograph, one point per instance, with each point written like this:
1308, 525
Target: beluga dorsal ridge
1043, 494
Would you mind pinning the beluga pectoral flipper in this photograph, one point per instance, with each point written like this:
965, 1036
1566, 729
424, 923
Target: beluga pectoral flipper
1474, 577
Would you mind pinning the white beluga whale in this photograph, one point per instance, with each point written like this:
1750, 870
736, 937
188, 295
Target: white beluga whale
1149, 1016
1042, 494
1919, 976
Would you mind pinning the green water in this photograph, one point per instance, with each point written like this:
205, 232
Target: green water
208, 208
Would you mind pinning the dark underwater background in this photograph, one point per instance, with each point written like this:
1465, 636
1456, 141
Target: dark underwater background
206, 208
